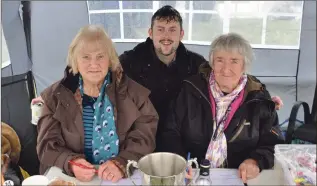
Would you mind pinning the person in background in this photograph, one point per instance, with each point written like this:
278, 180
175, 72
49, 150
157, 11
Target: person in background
162, 62
223, 114
10, 156
95, 115
278, 102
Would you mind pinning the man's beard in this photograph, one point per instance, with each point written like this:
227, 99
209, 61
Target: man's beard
166, 54
172, 50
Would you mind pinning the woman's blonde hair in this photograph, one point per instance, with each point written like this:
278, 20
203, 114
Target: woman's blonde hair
233, 42
94, 34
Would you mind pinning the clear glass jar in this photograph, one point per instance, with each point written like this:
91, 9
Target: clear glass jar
203, 178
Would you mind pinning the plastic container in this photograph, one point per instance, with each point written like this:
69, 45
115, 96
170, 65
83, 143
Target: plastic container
35, 180
60, 182
36, 112
288, 159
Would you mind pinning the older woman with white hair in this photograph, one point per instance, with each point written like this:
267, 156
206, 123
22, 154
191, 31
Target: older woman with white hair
224, 115
95, 115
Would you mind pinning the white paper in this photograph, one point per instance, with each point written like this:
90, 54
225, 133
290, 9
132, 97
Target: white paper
225, 177
218, 177
127, 181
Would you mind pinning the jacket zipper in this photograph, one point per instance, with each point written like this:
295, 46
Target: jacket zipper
238, 132
240, 125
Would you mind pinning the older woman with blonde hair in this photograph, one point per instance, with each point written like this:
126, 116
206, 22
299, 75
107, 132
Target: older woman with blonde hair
223, 114
95, 115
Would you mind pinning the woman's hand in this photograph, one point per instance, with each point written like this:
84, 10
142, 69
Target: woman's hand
37, 100
278, 102
83, 174
248, 169
109, 171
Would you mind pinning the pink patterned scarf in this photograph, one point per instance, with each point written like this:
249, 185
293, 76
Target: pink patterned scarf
217, 149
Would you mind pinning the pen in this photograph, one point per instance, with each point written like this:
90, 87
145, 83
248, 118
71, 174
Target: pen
81, 166
245, 184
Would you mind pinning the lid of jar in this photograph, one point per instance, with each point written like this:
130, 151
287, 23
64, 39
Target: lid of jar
205, 163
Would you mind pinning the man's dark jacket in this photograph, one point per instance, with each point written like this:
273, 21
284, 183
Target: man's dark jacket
164, 81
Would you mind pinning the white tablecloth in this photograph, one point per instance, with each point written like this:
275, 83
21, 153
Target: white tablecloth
266, 177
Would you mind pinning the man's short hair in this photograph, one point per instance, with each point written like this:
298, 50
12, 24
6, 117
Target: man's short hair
167, 13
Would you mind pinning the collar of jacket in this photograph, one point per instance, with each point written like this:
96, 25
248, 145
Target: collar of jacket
252, 89
117, 87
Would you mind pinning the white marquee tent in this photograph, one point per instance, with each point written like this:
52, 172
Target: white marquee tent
38, 33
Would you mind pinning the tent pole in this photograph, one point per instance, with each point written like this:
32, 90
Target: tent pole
30, 81
314, 108
26, 14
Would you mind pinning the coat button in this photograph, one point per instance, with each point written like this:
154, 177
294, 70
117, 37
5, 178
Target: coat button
67, 105
58, 93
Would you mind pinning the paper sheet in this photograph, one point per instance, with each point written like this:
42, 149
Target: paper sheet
136, 178
218, 177
225, 177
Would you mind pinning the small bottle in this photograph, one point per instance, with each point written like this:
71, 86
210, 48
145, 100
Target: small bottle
203, 178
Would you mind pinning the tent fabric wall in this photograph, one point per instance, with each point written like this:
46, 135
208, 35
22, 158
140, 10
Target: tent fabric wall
7, 71
307, 60
53, 25
277, 68
15, 38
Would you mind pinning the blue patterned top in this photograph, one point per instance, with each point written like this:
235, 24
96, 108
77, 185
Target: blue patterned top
102, 142
88, 118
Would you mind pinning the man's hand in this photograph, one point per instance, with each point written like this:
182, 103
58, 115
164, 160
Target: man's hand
82, 174
109, 171
278, 102
248, 169
37, 100
189, 174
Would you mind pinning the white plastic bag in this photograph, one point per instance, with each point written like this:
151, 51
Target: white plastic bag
298, 163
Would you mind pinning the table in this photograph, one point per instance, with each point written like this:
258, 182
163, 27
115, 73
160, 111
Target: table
266, 177
54, 172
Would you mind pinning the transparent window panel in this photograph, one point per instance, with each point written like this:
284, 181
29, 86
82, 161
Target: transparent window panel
185, 25
178, 5
137, 4
249, 28
136, 25
207, 5
282, 30
111, 22
206, 27
284, 6
103, 5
